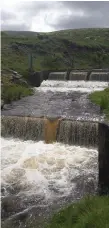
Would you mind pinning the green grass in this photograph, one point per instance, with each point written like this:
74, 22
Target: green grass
73, 49
101, 98
13, 92
91, 212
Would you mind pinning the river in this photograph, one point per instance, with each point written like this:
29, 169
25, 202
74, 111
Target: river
38, 179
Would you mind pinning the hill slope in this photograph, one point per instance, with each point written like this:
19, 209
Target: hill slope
81, 48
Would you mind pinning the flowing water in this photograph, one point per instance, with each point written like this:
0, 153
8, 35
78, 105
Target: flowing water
66, 99
38, 178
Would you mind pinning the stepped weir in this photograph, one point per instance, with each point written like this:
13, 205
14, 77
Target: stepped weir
57, 76
78, 133
82, 133
51, 153
36, 78
76, 75
99, 76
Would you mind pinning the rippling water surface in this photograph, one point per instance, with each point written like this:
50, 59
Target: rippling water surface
39, 178
59, 99
45, 175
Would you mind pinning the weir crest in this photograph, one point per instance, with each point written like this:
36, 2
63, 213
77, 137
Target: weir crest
82, 133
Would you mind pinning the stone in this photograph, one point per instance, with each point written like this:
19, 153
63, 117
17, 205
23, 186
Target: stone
17, 78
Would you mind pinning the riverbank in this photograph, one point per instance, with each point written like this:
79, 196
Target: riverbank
89, 212
14, 92
101, 98
13, 87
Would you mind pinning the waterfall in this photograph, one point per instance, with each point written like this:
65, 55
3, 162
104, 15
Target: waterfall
71, 132
57, 76
99, 76
77, 75
78, 133
50, 130
26, 128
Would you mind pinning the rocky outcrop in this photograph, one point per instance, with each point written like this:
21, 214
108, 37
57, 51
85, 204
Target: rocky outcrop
14, 77
17, 79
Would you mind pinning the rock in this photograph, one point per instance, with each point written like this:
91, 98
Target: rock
17, 78
14, 77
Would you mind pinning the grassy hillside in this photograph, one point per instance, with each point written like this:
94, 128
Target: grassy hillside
82, 48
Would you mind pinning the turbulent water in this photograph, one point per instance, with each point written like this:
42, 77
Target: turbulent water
67, 99
39, 178
66, 86
38, 175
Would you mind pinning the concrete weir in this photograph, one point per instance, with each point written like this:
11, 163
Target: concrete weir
71, 132
78, 75
36, 78
103, 149
57, 76
99, 76
81, 133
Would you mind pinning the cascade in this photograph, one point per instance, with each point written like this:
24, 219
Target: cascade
77, 75
99, 76
71, 132
57, 76
26, 128
78, 133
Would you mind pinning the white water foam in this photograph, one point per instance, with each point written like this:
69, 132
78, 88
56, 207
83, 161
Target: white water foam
67, 86
39, 168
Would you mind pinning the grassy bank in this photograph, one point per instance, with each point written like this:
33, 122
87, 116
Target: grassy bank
101, 98
91, 212
14, 92
13, 88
